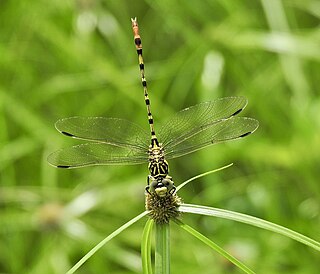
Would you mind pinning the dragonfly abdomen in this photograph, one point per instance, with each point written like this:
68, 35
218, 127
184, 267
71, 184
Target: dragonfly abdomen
138, 43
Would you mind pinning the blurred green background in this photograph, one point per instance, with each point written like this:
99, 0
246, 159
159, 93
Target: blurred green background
77, 58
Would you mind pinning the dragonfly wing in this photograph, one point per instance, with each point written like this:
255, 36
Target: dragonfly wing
224, 130
191, 120
118, 132
96, 154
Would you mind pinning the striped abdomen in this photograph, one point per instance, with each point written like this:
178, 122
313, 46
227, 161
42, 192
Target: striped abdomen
137, 41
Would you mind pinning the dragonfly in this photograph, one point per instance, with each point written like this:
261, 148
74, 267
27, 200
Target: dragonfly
114, 141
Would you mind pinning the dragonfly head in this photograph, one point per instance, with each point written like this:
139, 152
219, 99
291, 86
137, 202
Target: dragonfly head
160, 186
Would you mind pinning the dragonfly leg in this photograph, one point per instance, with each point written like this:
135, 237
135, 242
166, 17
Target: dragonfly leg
148, 183
152, 184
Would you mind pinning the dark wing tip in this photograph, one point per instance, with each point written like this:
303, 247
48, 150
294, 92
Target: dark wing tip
253, 128
67, 134
245, 134
52, 160
63, 166
58, 166
237, 112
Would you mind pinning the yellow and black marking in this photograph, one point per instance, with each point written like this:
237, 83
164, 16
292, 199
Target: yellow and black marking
158, 166
137, 41
162, 201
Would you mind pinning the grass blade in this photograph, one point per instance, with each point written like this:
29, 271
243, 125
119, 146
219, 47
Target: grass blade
202, 175
214, 246
104, 241
243, 218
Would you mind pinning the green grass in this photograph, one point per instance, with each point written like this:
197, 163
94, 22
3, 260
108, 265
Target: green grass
60, 59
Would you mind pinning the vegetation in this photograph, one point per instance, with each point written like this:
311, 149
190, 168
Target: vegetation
63, 58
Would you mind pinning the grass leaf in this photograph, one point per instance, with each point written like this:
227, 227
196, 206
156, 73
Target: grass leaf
243, 218
104, 241
214, 246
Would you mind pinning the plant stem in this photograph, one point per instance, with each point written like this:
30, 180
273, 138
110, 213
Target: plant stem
146, 247
162, 249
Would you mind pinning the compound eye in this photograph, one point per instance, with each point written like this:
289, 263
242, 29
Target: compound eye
165, 182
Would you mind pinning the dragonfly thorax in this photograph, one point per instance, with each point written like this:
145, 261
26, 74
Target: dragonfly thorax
158, 166
159, 182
